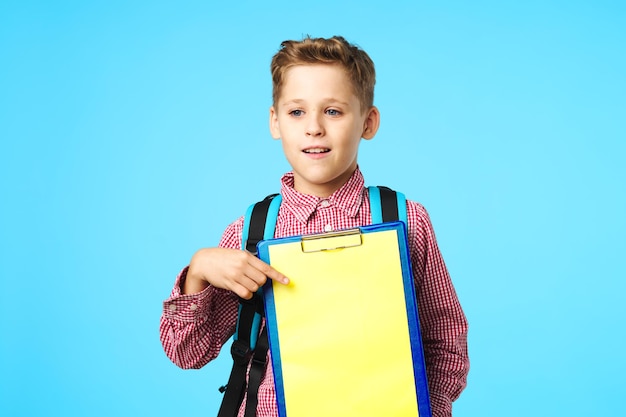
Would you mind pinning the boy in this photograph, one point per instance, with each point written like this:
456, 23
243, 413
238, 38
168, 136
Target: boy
322, 107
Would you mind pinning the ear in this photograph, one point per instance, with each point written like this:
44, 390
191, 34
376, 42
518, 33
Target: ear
372, 121
274, 128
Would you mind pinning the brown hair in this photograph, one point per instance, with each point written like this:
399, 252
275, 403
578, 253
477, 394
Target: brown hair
336, 50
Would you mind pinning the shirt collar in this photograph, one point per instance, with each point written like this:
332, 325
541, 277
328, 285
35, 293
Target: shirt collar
347, 198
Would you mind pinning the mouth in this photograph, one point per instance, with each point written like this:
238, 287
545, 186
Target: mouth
316, 150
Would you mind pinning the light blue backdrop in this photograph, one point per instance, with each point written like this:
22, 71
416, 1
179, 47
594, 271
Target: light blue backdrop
132, 133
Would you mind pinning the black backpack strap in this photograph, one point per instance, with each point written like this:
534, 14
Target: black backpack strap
241, 353
257, 370
248, 343
257, 219
389, 204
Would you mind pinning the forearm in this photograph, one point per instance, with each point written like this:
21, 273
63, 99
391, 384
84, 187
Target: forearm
198, 319
444, 336
194, 327
447, 370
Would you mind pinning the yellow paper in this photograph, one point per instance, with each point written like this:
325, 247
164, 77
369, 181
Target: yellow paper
343, 330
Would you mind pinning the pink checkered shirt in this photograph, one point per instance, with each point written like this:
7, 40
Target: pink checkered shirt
194, 327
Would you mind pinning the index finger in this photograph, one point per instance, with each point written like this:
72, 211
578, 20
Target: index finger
269, 272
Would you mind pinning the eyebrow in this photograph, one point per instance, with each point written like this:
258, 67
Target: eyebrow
326, 100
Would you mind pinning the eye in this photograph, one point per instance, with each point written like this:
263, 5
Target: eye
296, 113
333, 112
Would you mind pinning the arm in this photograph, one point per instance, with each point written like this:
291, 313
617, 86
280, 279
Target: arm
443, 323
201, 313
194, 327
196, 324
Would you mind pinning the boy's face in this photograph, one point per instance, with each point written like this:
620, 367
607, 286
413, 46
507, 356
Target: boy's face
319, 120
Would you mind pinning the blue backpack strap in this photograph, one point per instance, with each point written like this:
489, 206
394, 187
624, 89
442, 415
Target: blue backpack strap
375, 205
259, 224
387, 205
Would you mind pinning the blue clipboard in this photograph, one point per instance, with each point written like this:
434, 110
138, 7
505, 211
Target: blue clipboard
344, 334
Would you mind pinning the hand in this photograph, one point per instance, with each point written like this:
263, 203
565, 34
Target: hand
231, 269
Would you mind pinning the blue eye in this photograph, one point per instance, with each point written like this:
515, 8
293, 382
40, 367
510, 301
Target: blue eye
296, 113
333, 112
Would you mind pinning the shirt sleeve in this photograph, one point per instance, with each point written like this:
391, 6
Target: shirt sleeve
194, 327
442, 321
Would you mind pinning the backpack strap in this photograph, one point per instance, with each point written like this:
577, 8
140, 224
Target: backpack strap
387, 205
259, 342
257, 370
259, 224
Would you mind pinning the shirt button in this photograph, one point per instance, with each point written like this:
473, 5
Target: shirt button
172, 307
325, 203
193, 307
328, 228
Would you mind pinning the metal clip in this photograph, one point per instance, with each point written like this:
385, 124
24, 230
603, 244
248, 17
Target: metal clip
331, 241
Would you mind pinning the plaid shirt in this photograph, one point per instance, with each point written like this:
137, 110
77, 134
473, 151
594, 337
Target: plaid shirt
194, 327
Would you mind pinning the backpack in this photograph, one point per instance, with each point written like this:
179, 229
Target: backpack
249, 346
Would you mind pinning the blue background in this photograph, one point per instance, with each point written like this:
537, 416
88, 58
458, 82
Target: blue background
132, 133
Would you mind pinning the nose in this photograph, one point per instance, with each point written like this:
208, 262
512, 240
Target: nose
314, 126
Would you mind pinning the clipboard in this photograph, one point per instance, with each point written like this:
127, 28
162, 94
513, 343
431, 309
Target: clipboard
344, 333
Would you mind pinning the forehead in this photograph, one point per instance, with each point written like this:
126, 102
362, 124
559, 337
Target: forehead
315, 81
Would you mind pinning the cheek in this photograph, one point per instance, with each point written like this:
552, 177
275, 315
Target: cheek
289, 149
